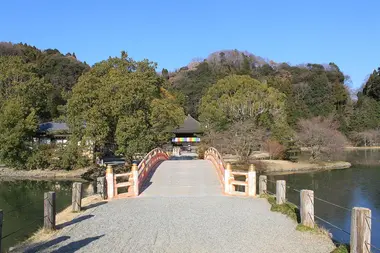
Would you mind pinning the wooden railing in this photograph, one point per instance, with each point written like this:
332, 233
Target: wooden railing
228, 177
149, 164
216, 158
136, 178
361, 217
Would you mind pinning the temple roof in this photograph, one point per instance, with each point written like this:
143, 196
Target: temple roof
190, 125
52, 127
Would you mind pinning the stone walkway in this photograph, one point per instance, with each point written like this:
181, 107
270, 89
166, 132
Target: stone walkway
183, 210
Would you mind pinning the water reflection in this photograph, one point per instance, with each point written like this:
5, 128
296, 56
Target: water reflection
357, 186
22, 204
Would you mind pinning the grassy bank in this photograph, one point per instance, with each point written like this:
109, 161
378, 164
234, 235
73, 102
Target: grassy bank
292, 211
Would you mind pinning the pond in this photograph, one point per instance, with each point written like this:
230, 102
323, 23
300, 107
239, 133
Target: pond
358, 186
22, 204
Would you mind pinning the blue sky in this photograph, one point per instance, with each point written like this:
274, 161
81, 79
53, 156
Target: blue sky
172, 33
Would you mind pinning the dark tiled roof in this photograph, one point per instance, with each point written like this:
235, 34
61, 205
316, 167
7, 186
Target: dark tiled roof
52, 127
190, 125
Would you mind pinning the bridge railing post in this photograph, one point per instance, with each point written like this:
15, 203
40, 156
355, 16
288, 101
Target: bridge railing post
227, 175
110, 182
101, 187
360, 236
135, 176
76, 198
280, 192
49, 210
307, 208
1, 226
262, 184
251, 181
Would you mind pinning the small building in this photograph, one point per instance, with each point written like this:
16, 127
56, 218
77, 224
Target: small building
187, 134
52, 133
58, 133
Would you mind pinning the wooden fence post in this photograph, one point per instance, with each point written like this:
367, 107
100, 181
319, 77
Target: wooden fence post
76, 198
251, 181
227, 175
49, 210
1, 226
101, 187
307, 208
262, 184
280, 192
110, 182
135, 175
360, 238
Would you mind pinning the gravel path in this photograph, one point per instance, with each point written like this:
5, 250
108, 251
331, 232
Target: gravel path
182, 216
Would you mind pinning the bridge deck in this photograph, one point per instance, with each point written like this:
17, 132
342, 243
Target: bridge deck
183, 210
183, 178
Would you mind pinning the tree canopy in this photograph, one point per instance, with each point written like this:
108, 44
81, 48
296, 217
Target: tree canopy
238, 98
122, 101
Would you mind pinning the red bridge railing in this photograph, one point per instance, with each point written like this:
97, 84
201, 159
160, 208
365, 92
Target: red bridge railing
213, 155
136, 178
149, 164
228, 178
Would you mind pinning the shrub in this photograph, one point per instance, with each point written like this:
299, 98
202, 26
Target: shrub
40, 158
70, 157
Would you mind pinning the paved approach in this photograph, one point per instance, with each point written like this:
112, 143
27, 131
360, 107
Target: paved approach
182, 210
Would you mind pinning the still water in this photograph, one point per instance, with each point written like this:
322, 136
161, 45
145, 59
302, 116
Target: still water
357, 186
22, 204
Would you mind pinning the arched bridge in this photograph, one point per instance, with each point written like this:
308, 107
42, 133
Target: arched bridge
184, 206
208, 177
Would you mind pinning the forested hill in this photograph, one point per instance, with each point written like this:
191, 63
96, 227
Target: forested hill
55, 72
311, 89
128, 106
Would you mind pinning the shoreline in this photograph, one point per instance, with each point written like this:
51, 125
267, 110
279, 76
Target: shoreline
7, 174
359, 148
287, 167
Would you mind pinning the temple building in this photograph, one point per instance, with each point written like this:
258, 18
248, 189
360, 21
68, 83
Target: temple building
186, 134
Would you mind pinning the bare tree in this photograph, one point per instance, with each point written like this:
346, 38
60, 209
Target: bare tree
241, 139
321, 136
274, 148
365, 138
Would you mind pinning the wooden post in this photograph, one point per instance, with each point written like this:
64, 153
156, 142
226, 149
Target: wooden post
49, 210
1, 226
110, 182
262, 184
280, 192
307, 208
360, 238
227, 175
76, 197
101, 187
135, 175
251, 181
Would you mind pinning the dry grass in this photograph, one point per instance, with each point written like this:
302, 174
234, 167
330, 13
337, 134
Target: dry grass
41, 236
287, 166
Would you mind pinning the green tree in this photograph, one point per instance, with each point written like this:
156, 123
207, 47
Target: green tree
241, 98
18, 124
165, 73
372, 86
123, 101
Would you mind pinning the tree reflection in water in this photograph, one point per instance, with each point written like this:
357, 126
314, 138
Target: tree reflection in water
22, 203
